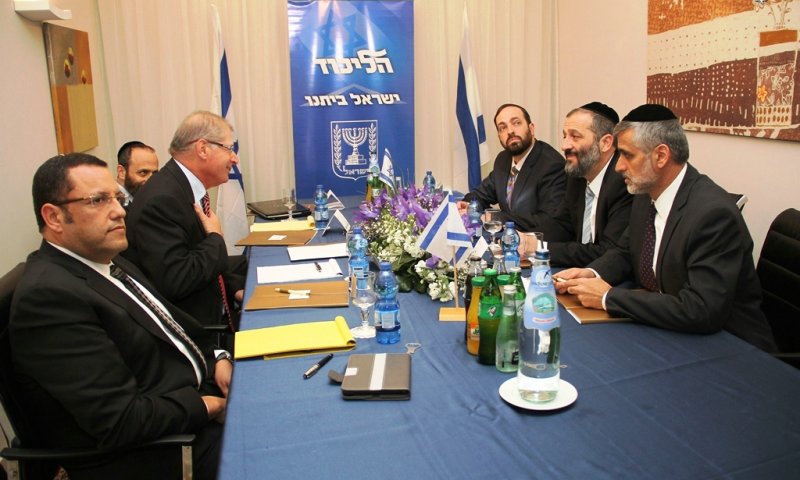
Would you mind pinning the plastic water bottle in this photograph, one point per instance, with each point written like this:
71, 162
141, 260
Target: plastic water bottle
507, 349
474, 216
387, 310
358, 263
510, 241
320, 208
539, 335
429, 182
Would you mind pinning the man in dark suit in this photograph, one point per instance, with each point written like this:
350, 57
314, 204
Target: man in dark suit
95, 365
596, 208
136, 163
528, 179
173, 235
687, 244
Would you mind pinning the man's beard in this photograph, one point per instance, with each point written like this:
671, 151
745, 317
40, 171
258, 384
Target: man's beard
524, 144
587, 159
131, 187
647, 179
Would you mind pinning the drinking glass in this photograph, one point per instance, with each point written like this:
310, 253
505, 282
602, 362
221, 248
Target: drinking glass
531, 242
492, 222
363, 296
290, 200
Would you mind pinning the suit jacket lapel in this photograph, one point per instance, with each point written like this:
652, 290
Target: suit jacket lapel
104, 287
523, 175
182, 182
675, 214
602, 198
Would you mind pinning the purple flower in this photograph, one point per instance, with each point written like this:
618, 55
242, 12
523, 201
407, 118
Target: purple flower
432, 262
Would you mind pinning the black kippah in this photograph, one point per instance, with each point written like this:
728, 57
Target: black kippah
602, 109
650, 112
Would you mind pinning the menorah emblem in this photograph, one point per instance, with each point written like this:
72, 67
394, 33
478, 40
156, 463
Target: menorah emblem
355, 137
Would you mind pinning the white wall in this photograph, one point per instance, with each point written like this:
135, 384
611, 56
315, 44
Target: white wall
603, 56
28, 136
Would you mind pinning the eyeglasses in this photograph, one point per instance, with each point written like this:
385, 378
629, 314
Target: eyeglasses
97, 200
229, 148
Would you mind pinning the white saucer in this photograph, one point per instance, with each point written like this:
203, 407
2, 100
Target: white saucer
567, 394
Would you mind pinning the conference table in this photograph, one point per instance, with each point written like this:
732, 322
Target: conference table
651, 404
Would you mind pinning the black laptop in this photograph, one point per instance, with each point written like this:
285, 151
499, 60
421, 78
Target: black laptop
276, 210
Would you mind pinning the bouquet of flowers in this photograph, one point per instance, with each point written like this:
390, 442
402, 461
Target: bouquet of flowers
392, 223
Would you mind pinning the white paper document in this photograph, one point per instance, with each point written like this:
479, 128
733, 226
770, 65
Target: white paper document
314, 252
298, 272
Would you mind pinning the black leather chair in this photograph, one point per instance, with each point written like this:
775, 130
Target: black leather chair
779, 271
22, 462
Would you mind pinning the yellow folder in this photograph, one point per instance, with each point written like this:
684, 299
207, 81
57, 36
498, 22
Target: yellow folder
295, 340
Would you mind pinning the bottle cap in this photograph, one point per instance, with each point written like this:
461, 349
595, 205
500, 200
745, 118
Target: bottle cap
428, 172
509, 224
503, 279
478, 281
515, 270
384, 265
357, 230
474, 257
509, 289
490, 272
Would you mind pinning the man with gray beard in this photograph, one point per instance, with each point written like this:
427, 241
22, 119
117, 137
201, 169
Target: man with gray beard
594, 212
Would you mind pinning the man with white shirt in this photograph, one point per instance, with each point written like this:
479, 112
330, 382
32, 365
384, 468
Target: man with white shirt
175, 238
528, 180
596, 208
97, 364
687, 244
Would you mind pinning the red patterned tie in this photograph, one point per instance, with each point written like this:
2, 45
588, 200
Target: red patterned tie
646, 276
206, 204
512, 178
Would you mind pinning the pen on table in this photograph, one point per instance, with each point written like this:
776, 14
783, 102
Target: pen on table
282, 290
314, 368
319, 267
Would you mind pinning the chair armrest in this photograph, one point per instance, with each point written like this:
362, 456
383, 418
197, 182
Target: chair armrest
17, 453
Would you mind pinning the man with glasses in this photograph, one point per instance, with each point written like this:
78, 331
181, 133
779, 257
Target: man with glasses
174, 236
96, 364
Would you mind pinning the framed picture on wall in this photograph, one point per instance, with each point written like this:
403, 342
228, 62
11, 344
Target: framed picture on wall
727, 66
70, 69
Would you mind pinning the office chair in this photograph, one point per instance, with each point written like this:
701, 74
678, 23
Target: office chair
739, 199
22, 462
779, 271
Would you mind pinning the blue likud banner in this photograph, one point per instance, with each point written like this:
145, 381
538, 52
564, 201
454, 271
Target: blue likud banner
352, 66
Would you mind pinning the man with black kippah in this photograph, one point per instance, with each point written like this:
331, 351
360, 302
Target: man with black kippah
687, 245
595, 211
527, 181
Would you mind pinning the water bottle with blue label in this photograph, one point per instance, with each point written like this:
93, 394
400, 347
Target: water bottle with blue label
539, 335
387, 310
474, 217
358, 263
321, 214
510, 242
429, 183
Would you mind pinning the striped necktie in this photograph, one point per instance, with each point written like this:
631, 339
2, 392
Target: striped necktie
512, 178
586, 237
165, 317
646, 275
206, 204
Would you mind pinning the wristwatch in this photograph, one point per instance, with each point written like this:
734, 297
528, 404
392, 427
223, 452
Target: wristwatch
224, 355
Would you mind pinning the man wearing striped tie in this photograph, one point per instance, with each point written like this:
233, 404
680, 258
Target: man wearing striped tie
528, 179
100, 359
173, 235
686, 246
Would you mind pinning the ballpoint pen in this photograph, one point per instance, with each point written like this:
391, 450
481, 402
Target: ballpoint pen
319, 267
315, 368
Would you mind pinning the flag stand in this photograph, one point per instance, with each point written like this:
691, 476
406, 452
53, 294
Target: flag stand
453, 314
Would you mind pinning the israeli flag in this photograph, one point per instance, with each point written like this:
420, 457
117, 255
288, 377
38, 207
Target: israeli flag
387, 170
473, 149
444, 232
231, 206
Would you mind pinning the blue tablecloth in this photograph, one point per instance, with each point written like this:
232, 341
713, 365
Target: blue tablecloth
651, 404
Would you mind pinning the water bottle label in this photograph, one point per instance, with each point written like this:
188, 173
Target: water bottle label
542, 277
541, 312
317, 215
386, 320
